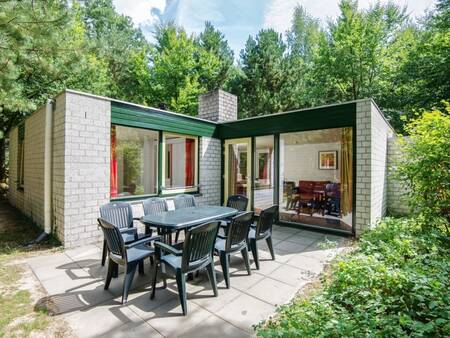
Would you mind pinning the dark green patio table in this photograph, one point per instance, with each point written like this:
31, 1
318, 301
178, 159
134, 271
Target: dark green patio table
180, 219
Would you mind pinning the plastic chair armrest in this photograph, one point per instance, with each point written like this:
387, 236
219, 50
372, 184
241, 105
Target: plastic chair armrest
167, 248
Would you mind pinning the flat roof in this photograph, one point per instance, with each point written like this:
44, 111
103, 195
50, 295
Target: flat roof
221, 123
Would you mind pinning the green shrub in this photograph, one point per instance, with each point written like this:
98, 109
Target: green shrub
396, 283
425, 165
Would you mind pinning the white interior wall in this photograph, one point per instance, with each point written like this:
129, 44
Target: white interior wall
149, 165
302, 162
178, 162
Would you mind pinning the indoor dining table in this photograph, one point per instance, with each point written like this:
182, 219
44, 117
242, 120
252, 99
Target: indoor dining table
181, 219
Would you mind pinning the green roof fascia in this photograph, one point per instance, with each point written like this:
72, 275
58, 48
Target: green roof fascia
333, 116
150, 118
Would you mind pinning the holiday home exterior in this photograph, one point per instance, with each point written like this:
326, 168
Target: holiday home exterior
326, 167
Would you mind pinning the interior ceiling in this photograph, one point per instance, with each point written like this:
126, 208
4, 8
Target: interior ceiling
314, 136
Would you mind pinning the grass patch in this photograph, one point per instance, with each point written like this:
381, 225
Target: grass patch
18, 317
395, 284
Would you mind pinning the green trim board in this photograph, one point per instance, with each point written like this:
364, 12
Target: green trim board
150, 118
336, 116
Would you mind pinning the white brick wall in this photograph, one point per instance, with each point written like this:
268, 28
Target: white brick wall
371, 164
218, 106
58, 182
396, 195
87, 166
15, 196
381, 131
363, 167
34, 166
31, 199
210, 169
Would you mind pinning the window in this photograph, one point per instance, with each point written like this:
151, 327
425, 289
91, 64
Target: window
317, 172
180, 162
134, 161
20, 157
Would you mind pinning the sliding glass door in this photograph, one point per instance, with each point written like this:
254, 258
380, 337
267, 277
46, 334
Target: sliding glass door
238, 168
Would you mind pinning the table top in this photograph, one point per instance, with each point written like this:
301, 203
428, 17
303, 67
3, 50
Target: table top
188, 217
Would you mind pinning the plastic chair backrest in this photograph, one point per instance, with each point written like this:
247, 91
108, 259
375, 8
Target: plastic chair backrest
119, 214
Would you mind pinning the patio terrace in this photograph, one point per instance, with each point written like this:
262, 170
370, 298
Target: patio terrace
74, 281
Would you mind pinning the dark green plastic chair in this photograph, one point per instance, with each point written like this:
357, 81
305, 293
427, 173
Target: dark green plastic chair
121, 215
234, 241
196, 254
154, 206
238, 202
263, 230
183, 201
129, 255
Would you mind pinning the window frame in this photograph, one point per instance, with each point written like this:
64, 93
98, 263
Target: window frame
165, 191
142, 196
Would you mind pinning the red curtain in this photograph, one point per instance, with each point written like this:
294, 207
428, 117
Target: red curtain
266, 167
190, 162
113, 167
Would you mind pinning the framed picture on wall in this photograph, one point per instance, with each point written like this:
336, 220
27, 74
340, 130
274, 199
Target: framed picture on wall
328, 159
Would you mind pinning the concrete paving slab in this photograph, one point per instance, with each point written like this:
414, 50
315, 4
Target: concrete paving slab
214, 326
141, 304
83, 297
266, 266
246, 311
272, 291
292, 275
101, 320
168, 318
48, 261
132, 329
87, 250
307, 263
203, 297
291, 247
299, 238
240, 281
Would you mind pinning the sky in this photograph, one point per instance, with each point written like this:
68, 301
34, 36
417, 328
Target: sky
238, 19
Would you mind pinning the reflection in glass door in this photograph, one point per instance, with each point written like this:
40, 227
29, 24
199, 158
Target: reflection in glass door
237, 168
263, 172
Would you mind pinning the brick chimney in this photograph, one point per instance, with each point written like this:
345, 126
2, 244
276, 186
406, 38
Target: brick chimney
218, 106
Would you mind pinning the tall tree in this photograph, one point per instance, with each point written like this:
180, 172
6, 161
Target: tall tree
42, 52
264, 80
304, 35
114, 39
351, 58
174, 73
217, 53
303, 42
426, 70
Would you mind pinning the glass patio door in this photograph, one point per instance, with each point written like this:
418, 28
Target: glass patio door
237, 168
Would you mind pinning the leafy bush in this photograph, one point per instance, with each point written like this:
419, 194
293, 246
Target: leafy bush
394, 284
425, 165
